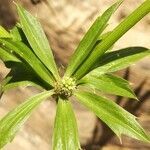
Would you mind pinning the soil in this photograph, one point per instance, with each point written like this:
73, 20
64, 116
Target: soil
65, 23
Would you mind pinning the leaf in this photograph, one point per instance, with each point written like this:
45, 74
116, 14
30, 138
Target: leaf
15, 32
28, 56
4, 33
20, 84
120, 59
11, 82
110, 84
86, 45
101, 38
22, 75
118, 119
12, 122
5, 56
18, 35
115, 35
65, 136
37, 39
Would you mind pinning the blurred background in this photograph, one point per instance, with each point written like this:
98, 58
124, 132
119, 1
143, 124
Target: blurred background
65, 22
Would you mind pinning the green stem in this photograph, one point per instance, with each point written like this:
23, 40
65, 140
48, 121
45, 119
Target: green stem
117, 33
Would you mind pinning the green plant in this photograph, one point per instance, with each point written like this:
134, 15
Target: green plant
25, 50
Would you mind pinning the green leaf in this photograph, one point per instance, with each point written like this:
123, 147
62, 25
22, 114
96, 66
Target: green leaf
20, 84
117, 60
18, 35
12, 122
110, 84
101, 38
118, 119
115, 35
21, 75
5, 56
37, 39
15, 32
28, 56
11, 82
4, 33
86, 45
65, 136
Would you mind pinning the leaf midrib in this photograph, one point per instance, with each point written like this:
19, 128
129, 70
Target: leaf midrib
121, 123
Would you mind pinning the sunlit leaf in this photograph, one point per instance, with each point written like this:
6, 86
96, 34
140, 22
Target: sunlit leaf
15, 32
37, 39
18, 35
26, 52
110, 84
16, 84
120, 59
28, 56
12, 122
115, 35
118, 119
101, 38
89, 40
21, 75
65, 136
4, 33
5, 56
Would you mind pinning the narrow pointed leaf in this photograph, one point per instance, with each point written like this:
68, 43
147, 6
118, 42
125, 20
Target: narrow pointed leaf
5, 56
18, 35
115, 35
117, 60
118, 119
65, 136
37, 39
12, 122
28, 56
21, 75
20, 84
110, 84
101, 38
89, 40
11, 82
15, 32
4, 33
2, 84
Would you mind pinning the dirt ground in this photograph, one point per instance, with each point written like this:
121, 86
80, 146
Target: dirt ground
65, 22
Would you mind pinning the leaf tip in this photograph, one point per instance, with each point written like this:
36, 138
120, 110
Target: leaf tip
134, 96
118, 3
15, 3
119, 137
